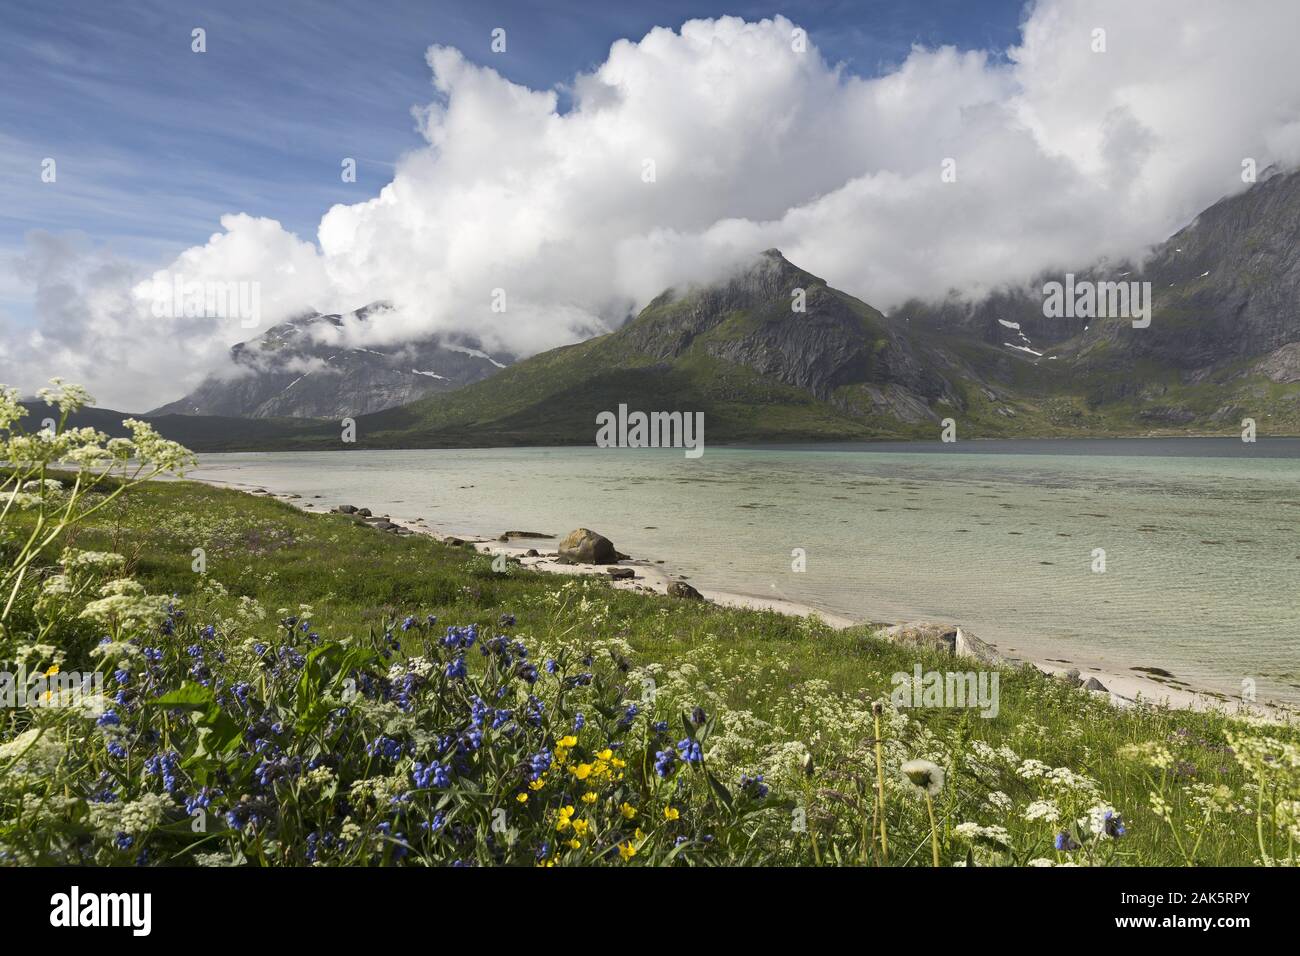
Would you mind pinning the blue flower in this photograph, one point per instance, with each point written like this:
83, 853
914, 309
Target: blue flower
457, 668
164, 764
665, 762
579, 722
433, 775
539, 763
384, 746
689, 748
108, 719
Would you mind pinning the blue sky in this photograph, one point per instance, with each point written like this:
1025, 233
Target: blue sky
154, 142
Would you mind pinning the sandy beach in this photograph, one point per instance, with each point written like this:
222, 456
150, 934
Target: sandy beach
653, 575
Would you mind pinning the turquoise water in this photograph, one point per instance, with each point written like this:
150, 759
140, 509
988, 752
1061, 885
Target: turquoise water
1201, 537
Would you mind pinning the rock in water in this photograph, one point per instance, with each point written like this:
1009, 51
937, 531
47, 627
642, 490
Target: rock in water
680, 589
584, 546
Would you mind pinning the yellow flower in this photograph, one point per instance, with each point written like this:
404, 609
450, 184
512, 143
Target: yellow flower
580, 827
537, 784
561, 755
567, 742
565, 820
522, 798
671, 813
52, 671
618, 762
627, 810
639, 833
588, 798
626, 850
605, 754
574, 844
582, 771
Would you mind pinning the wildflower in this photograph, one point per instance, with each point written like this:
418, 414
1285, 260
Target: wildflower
538, 764
671, 813
665, 762
626, 851
753, 786
434, 775
1044, 810
689, 749
627, 810
565, 819
589, 797
1065, 843
924, 775
927, 778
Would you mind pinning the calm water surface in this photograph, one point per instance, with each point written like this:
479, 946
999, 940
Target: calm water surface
1201, 536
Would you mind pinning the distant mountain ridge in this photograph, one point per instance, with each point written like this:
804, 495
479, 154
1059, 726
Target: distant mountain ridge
1223, 345
294, 371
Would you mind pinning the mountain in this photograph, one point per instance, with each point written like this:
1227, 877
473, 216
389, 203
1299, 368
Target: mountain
739, 352
1223, 344
300, 369
1224, 338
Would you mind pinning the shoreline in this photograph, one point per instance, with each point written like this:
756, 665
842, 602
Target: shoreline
653, 576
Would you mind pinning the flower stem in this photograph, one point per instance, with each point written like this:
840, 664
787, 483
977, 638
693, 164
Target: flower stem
934, 829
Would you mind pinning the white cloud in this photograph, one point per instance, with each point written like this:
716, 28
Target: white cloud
1063, 155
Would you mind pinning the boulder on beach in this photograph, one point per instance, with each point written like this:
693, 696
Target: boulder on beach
346, 509
949, 639
585, 546
364, 512
1094, 684
680, 589
619, 574
532, 553
512, 535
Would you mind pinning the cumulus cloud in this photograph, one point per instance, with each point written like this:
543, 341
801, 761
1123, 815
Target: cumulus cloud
689, 150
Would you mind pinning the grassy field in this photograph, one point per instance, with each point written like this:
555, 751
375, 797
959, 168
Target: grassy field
1057, 777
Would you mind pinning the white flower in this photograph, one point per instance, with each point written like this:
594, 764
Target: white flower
1044, 810
67, 396
975, 831
925, 775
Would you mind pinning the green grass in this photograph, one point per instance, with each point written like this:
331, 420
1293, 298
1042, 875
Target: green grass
779, 688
